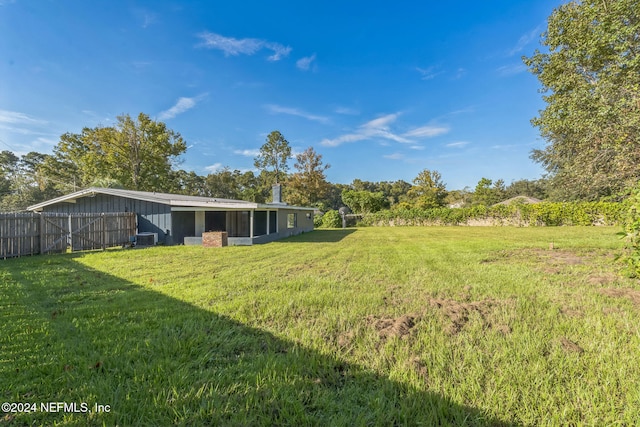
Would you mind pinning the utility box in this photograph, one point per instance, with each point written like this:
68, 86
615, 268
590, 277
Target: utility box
215, 239
146, 239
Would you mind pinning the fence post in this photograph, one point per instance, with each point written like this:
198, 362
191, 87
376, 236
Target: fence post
41, 232
103, 222
70, 242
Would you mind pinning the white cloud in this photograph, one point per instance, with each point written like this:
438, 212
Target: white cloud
524, 40
277, 109
214, 167
305, 63
347, 111
460, 73
429, 72
352, 137
295, 152
380, 128
18, 118
247, 153
22, 130
43, 141
458, 144
376, 128
246, 46
426, 132
381, 122
510, 70
394, 156
183, 104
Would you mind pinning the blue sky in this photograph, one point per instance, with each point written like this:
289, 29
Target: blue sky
382, 90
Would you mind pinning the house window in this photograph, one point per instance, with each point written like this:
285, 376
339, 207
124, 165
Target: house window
292, 220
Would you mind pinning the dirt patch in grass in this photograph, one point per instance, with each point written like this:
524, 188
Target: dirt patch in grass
345, 339
612, 310
565, 262
569, 346
571, 312
631, 294
602, 279
552, 257
390, 328
420, 368
458, 313
561, 257
503, 329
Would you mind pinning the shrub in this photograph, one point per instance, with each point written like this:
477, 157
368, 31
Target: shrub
331, 219
539, 214
631, 233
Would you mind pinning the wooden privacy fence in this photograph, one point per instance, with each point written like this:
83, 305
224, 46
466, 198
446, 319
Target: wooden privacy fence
41, 233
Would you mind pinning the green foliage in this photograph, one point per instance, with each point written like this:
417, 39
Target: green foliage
138, 154
188, 183
308, 186
275, 154
394, 191
529, 188
428, 190
538, 214
22, 181
591, 77
363, 201
331, 219
488, 193
631, 233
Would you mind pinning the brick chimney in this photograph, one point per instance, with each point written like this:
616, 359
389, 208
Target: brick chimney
276, 191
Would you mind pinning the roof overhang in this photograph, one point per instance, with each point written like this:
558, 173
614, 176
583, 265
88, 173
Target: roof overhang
176, 201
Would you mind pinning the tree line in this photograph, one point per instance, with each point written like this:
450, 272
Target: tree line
142, 154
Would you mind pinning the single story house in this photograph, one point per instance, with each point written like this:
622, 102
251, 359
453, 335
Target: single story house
175, 217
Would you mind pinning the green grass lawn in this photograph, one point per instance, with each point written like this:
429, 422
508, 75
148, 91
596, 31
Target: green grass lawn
371, 326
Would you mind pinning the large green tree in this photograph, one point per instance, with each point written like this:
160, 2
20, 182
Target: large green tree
274, 154
590, 74
363, 202
22, 181
8, 168
489, 193
308, 186
139, 154
428, 190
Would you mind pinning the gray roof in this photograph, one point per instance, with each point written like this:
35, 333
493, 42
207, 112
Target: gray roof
165, 199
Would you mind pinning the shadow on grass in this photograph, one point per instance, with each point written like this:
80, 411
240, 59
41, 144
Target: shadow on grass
81, 336
320, 236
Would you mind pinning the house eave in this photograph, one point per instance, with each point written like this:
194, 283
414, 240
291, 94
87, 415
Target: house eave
172, 200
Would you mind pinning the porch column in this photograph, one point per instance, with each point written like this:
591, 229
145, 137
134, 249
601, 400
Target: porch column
199, 223
251, 224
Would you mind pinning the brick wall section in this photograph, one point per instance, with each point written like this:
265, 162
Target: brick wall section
214, 239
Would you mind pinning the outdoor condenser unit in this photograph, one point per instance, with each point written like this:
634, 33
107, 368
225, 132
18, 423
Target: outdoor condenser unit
146, 239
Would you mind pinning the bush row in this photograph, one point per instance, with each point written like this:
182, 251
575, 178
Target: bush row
539, 214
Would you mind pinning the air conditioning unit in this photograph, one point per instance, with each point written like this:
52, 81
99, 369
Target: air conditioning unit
146, 239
